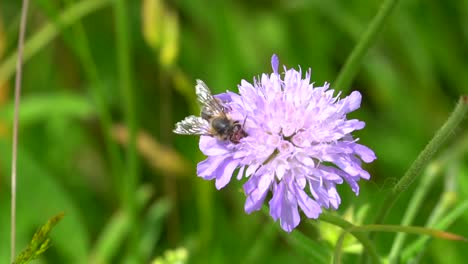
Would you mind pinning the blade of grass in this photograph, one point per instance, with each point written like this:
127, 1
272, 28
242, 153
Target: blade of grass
366, 243
310, 248
394, 228
130, 181
447, 201
48, 32
443, 208
14, 154
424, 157
118, 227
97, 91
338, 247
168, 54
40, 241
154, 226
443, 223
263, 241
41, 107
418, 230
79, 43
354, 60
426, 182
458, 149
166, 123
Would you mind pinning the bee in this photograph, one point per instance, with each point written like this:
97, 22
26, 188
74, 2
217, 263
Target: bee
213, 120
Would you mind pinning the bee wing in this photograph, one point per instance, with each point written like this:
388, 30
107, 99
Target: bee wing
204, 96
192, 125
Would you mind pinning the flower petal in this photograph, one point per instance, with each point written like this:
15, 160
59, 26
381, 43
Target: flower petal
210, 146
310, 207
284, 206
224, 173
256, 192
333, 195
299, 137
352, 102
274, 63
366, 154
206, 169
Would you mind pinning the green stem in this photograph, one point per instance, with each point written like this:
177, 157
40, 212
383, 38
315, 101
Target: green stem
338, 247
443, 207
424, 157
166, 123
445, 222
392, 228
97, 92
130, 181
263, 243
412, 209
313, 250
418, 230
354, 60
14, 151
347, 226
427, 180
40, 39
206, 214
116, 230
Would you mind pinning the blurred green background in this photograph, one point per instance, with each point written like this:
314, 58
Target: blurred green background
74, 153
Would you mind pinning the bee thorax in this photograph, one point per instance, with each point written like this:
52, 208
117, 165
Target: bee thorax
221, 125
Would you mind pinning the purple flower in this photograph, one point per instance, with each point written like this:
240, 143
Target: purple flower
298, 147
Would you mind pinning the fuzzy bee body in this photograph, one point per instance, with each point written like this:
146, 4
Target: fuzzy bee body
213, 120
226, 129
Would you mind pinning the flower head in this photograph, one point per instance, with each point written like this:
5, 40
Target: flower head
299, 145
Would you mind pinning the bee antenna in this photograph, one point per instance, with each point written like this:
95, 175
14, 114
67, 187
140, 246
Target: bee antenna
245, 119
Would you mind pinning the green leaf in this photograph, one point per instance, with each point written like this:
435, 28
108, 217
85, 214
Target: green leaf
39, 194
39, 243
314, 250
263, 241
40, 108
116, 230
153, 226
48, 32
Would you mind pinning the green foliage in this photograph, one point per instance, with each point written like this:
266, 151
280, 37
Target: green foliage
39, 243
42, 194
121, 209
177, 256
36, 109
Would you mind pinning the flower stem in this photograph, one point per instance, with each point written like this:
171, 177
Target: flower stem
339, 247
418, 230
354, 60
345, 225
130, 179
424, 157
431, 172
443, 223
413, 207
355, 230
19, 71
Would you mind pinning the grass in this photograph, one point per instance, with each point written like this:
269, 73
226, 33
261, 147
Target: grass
89, 69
